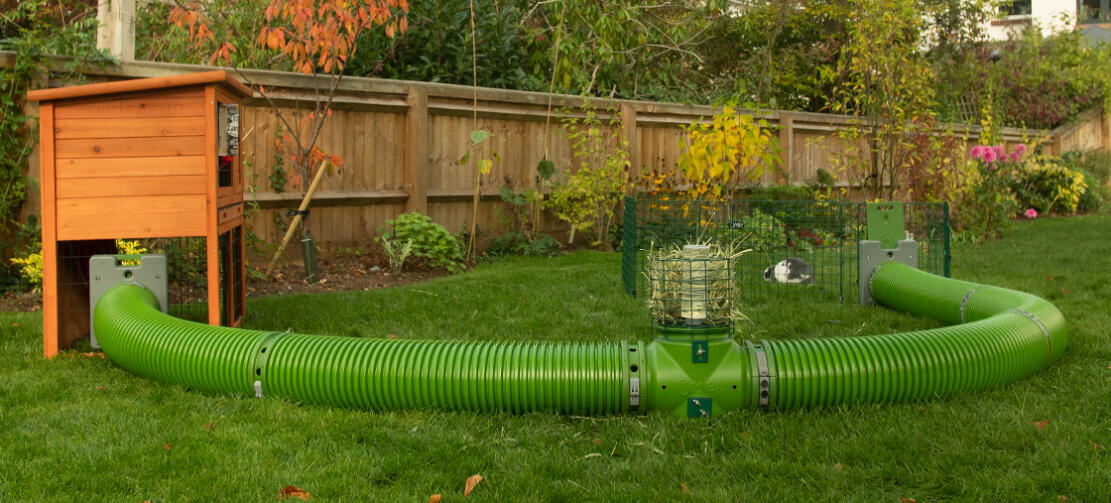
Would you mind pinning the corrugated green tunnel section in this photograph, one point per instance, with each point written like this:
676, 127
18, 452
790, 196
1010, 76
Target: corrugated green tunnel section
363, 373
997, 336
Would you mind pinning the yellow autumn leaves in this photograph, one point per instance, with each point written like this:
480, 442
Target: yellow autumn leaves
732, 150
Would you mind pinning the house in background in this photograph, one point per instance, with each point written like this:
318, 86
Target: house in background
1093, 17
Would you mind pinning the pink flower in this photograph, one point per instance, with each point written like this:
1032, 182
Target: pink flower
998, 151
1031, 213
1020, 149
989, 155
1015, 156
977, 152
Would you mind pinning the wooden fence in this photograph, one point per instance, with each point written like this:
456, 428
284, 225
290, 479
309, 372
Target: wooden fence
402, 142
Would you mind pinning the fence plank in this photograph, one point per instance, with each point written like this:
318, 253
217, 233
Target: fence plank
416, 151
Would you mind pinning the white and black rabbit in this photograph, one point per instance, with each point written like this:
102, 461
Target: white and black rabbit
793, 270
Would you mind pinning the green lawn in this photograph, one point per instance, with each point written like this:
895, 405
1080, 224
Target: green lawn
80, 429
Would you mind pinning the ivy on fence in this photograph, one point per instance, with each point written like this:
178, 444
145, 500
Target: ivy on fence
33, 30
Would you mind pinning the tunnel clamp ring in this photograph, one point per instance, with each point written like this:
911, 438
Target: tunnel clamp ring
964, 302
262, 356
1044, 329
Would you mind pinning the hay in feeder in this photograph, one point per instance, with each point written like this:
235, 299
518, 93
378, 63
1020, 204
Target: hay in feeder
693, 285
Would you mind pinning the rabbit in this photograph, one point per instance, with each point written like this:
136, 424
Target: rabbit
793, 270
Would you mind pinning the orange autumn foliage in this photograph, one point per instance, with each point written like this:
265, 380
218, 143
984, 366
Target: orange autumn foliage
318, 37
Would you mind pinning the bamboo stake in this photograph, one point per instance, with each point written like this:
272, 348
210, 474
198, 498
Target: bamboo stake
472, 247
551, 85
297, 219
548, 120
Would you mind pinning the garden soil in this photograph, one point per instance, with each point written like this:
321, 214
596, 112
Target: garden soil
335, 274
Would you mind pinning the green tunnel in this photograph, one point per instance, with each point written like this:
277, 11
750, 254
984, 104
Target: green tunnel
995, 336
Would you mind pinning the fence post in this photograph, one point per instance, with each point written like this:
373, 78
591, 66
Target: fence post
416, 151
629, 131
116, 30
1104, 130
786, 145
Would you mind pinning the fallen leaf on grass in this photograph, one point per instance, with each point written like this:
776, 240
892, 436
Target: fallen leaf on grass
1041, 425
168, 446
838, 466
435, 498
292, 492
82, 355
1064, 291
597, 441
1062, 497
1096, 446
391, 336
684, 488
908, 500
472, 481
209, 426
102, 387
15, 324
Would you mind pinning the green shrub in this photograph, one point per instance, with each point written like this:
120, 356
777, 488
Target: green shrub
30, 268
1098, 164
987, 202
780, 193
22, 242
431, 241
1096, 167
396, 253
536, 244
1042, 81
586, 197
1091, 200
762, 232
1048, 186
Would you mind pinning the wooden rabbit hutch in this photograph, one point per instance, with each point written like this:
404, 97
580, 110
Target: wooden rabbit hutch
140, 159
